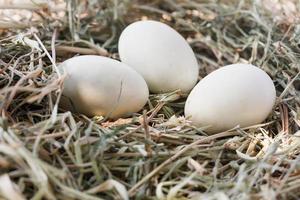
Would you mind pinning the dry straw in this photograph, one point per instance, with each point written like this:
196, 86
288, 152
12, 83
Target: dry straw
48, 153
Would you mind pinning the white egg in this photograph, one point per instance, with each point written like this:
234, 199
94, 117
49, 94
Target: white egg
234, 95
160, 54
96, 85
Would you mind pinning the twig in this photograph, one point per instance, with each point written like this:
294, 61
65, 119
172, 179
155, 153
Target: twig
147, 134
32, 7
85, 51
155, 111
53, 45
10, 25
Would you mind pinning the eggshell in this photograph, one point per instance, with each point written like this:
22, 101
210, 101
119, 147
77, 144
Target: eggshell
97, 85
234, 95
160, 54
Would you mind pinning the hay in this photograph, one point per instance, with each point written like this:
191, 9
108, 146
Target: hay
48, 153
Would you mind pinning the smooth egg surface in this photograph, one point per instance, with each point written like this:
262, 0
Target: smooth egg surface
234, 95
160, 54
96, 85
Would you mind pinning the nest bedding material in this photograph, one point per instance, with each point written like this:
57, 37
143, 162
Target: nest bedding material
48, 153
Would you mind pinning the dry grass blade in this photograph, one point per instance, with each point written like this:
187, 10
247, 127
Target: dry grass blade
8, 189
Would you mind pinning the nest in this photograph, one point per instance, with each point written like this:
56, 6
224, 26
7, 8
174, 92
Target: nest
48, 153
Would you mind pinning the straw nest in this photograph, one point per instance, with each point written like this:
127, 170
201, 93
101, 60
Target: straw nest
48, 153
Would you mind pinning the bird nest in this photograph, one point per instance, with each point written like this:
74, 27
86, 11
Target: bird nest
49, 153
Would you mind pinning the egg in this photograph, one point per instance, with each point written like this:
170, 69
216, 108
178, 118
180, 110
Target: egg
234, 95
160, 54
96, 85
